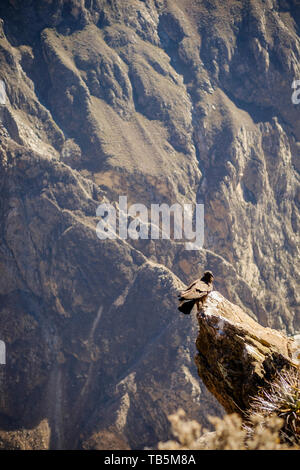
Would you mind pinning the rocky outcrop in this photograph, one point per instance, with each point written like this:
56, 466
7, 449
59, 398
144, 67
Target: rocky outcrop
236, 356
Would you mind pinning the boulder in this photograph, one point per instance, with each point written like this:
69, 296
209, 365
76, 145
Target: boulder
236, 356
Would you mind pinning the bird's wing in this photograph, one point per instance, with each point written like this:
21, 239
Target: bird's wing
192, 294
191, 285
198, 289
187, 289
203, 287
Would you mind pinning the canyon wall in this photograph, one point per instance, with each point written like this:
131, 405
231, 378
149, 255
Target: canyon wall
164, 102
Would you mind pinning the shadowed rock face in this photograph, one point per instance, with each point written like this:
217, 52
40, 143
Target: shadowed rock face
165, 102
236, 356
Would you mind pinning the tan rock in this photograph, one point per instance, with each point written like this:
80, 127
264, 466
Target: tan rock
236, 355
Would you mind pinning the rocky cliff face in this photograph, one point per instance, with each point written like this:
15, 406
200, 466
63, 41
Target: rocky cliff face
237, 357
162, 101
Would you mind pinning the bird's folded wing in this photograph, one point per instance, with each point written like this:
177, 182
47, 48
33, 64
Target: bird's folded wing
188, 288
202, 286
192, 294
198, 290
192, 284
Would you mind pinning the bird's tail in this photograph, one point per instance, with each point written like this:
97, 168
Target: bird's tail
186, 306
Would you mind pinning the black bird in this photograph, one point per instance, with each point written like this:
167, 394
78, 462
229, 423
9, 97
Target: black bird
196, 293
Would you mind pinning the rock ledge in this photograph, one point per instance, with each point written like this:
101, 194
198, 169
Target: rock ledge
236, 355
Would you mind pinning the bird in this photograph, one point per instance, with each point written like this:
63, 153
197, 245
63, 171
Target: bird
196, 293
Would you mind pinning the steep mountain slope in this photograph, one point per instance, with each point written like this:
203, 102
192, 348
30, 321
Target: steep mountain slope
163, 101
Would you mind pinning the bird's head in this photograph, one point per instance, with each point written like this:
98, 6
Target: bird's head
207, 276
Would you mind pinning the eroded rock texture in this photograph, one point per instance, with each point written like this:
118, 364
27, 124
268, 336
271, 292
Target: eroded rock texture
162, 101
236, 355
